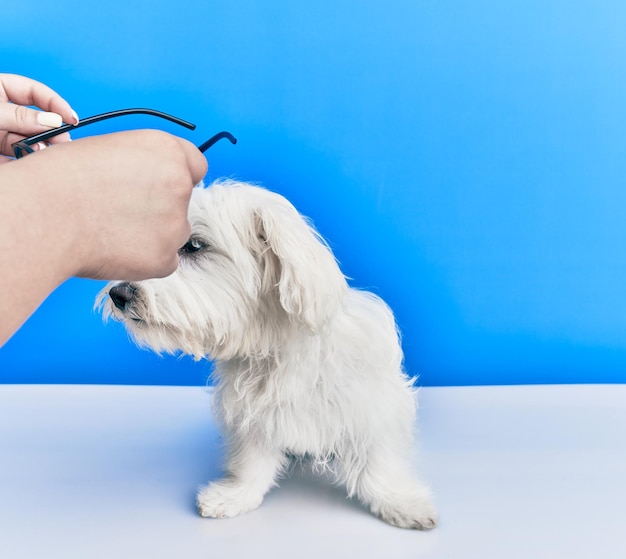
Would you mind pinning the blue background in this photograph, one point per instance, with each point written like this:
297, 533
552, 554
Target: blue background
466, 161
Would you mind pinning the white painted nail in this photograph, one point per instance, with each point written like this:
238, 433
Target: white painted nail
41, 145
50, 120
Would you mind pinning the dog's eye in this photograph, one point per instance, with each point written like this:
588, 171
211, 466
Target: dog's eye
192, 246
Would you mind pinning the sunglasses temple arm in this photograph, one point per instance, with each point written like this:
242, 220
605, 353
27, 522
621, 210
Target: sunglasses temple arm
124, 112
206, 145
26, 143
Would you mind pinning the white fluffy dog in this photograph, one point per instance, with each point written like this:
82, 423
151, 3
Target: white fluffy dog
305, 366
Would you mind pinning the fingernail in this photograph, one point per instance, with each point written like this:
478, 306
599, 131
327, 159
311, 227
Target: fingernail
75, 117
41, 145
50, 120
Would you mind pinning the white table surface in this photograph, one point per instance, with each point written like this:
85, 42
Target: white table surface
111, 472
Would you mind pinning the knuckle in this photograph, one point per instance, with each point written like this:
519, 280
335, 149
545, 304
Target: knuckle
21, 115
167, 265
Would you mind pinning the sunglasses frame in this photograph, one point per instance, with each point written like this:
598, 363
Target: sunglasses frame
24, 147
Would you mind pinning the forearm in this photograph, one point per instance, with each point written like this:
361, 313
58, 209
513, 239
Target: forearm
35, 242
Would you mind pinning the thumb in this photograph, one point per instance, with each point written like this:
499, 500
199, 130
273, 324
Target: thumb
25, 121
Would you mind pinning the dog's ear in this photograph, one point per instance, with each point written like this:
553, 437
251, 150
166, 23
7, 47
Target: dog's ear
298, 263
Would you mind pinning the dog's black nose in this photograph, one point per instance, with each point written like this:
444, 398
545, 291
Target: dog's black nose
122, 294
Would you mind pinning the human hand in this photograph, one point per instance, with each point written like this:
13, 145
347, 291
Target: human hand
18, 121
120, 201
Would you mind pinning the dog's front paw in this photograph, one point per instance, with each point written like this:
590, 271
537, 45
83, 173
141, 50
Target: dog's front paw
224, 500
421, 515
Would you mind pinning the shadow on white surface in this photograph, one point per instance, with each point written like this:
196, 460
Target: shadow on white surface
102, 471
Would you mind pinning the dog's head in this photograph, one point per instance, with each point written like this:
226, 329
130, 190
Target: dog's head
252, 271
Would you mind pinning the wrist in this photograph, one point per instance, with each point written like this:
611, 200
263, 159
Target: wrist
36, 203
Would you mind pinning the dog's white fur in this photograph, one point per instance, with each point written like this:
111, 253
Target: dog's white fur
305, 366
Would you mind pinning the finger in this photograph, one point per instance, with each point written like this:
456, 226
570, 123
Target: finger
60, 139
25, 91
25, 121
4, 159
185, 233
11, 138
171, 268
7, 141
197, 163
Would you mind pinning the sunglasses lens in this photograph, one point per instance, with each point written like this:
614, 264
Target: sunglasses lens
21, 148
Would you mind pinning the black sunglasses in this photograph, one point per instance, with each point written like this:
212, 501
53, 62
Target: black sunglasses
23, 147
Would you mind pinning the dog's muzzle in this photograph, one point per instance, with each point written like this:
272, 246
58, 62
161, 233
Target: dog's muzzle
122, 295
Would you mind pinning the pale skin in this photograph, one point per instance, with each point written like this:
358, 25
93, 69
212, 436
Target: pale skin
104, 207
